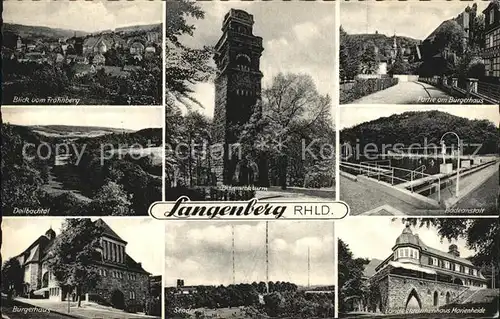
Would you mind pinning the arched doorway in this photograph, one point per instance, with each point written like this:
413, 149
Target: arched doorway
117, 299
458, 281
45, 280
413, 301
436, 299
448, 297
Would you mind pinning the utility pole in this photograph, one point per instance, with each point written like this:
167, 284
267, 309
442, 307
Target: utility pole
267, 257
308, 268
234, 271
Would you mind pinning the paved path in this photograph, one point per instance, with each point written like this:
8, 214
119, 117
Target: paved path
86, 311
12, 309
362, 199
403, 93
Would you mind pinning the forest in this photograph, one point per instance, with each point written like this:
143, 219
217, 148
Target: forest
413, 127
284, 300
89, 183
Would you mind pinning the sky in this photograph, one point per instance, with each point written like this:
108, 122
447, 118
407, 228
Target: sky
415, 19
201, 252
131, 118
88, 16
373, 237
297, 37
352, 115
144, 237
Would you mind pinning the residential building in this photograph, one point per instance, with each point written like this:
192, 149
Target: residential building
417, 276
491, 53
123, 280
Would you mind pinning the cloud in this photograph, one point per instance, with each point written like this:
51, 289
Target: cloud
144, 237
366, 240
202, 254
89, 16
415, 19
134, 118
300, 41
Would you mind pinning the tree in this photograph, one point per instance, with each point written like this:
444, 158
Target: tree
292, 108
369, 60
73, 256
12, 276
348, 56
184, 66
481, 236
350, 275
112, 199
399, 66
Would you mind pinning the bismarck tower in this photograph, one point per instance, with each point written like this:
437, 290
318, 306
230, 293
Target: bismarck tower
237, 96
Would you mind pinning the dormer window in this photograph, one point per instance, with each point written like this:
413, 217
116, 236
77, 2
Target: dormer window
492, 16
407, 252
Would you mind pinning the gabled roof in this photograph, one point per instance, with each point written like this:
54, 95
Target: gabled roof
443, 254
493, 3
107, 231
370, 268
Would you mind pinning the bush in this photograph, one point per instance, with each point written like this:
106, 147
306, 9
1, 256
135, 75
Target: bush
364, 87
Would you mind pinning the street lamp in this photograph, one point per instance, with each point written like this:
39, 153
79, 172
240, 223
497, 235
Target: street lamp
458, 158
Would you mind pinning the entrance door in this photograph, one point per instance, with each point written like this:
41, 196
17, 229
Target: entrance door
117, 299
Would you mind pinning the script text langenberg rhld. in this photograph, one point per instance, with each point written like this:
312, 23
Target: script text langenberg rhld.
184, 208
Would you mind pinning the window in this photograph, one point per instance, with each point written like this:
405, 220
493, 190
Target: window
446, 264
492, 16
132, 294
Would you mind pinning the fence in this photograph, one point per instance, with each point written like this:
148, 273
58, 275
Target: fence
468, 87
351, 91
395, 175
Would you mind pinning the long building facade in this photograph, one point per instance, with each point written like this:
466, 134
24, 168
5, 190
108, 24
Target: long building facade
416, 276
124, 282
491, 53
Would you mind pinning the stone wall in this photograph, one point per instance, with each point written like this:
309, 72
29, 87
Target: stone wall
219, 127
108, 284
400, 289
35, 277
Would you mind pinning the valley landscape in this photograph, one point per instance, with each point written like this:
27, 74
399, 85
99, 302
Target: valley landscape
81, 171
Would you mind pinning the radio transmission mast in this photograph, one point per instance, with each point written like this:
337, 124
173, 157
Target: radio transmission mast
308, 268
267, 257
234, 271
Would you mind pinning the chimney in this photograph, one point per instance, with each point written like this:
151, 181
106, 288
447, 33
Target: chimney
180, 283
453, 250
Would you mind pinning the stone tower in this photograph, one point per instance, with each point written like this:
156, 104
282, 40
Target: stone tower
237, 94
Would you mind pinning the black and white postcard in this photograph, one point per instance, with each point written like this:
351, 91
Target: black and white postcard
250, 269
249, 111
81, 268
81, 161
82, 52
418, 267
398, 161
419, 52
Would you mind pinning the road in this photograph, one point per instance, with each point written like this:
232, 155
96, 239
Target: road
14, 310
404, 93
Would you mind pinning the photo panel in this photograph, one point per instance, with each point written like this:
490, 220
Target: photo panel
81, 267
250, 269
83, 53
428, 52
401, 160
92, 161
251, 114
418, 267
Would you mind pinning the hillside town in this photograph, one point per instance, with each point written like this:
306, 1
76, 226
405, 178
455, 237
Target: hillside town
89, 65
459, 60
